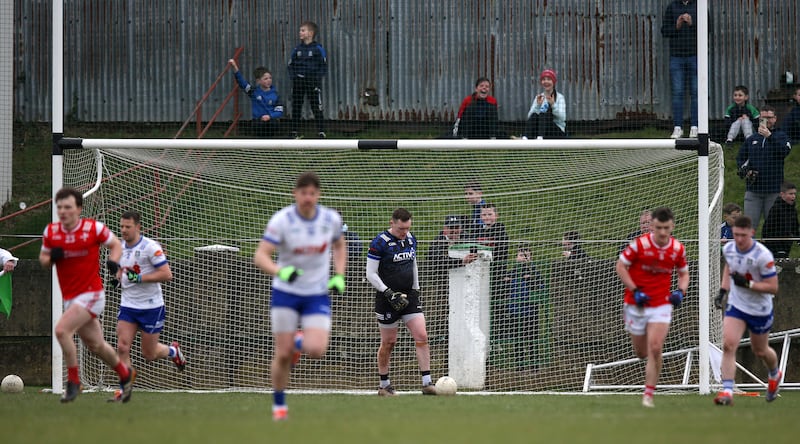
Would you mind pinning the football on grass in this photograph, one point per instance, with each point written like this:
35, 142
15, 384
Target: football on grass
12, 384
446, 386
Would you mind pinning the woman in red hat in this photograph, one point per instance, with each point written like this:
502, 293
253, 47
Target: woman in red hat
547, 118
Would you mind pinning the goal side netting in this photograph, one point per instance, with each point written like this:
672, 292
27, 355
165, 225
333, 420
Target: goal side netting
537, 320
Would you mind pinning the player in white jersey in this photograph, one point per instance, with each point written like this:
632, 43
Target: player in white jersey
143, 267
750, 267
303, 235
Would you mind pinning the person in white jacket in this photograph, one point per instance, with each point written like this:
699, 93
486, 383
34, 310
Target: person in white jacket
547, 118
8, 260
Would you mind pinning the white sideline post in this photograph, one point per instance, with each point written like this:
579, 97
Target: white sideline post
468, 345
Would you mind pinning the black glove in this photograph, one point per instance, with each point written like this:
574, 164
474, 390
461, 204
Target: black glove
114, 282
740, 280
112, 267
719, 301
56, 253
396, 299
134, 276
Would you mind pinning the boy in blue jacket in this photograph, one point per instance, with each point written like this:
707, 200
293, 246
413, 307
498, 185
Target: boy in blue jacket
266, 104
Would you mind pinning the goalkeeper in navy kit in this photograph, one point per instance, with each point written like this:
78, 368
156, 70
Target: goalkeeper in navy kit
392, 270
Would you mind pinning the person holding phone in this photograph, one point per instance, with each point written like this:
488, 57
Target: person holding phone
547, 117
760, 161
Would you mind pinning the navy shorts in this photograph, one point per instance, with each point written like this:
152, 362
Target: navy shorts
756, 324
387, 315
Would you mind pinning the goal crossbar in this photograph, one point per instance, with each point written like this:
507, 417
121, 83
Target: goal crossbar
361, 144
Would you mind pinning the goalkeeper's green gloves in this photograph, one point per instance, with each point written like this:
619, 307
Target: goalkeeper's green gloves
289, 273
336, 284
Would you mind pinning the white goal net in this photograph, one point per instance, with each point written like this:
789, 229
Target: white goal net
550, 315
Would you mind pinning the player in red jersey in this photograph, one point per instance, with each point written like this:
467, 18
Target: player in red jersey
73, 245
645, 267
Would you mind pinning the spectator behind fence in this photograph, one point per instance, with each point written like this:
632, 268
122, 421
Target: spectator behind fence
645, 218
525, 286
266, 106
792, 124
477, 116
308, 65
760, 163
740, 116
678, 25
493, 234
781, 227
572, 248
547, 118
450, 235
729, 212
473, 192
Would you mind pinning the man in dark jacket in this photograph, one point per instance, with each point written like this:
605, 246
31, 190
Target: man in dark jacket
781, 223
760, 162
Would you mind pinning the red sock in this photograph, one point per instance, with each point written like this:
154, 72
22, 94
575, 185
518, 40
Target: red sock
649, 390
122, 370
72, 375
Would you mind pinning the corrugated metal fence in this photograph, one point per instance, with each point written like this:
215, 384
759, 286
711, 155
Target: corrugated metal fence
151, 60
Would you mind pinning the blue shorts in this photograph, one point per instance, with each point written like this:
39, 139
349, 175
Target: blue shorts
303, 305
758, 325
149, 320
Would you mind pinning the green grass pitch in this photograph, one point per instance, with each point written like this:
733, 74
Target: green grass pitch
35, 417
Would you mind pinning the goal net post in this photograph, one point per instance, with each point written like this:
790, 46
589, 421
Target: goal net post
550, 314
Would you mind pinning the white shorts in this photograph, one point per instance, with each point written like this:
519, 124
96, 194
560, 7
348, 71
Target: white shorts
286, 320
636, 318
93, 301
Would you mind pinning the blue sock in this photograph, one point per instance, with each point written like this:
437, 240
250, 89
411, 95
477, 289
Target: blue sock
172, 352
279, 397
727, 384
298, 342
773, 373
